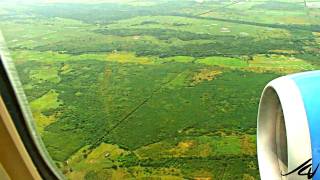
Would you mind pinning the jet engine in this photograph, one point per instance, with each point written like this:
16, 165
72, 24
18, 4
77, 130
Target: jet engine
288, 127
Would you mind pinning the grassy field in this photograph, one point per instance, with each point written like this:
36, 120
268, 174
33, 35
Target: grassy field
155, 89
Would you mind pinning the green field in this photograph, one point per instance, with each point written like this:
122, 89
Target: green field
155, 89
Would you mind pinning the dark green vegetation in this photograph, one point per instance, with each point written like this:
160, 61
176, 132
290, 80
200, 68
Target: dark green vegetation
155, 89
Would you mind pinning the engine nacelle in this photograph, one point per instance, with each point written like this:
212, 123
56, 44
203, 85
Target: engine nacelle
288, 129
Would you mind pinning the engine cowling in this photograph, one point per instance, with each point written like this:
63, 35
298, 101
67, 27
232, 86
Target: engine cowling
288, 127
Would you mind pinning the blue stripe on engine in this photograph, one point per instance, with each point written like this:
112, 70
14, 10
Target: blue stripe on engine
309, 86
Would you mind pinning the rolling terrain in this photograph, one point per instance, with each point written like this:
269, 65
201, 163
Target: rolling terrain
155, 89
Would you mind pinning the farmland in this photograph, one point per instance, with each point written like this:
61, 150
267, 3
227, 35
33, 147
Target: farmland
155, 89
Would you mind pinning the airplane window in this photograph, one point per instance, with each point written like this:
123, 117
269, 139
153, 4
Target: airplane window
155, 89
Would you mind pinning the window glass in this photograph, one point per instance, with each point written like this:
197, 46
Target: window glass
155, 88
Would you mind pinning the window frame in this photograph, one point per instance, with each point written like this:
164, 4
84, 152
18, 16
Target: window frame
17, 106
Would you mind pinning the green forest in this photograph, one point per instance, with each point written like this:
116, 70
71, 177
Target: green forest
155, 89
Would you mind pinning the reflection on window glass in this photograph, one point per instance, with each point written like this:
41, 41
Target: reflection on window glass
155, 88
